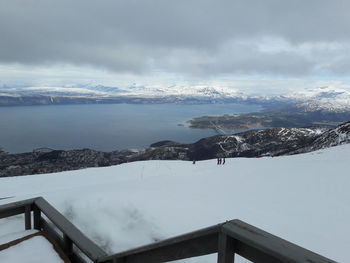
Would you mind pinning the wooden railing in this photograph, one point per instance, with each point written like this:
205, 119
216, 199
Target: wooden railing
56, 226
226, 239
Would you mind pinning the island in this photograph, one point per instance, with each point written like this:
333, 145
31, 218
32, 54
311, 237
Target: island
271, 119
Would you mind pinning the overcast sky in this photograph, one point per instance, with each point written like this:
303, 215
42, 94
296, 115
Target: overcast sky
112, 41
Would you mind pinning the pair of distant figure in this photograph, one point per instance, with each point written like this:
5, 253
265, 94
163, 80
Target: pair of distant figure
221, 161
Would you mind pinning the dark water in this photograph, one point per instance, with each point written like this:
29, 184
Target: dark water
104, 127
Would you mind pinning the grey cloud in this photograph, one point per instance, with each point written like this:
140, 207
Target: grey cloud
274, 57
186, 36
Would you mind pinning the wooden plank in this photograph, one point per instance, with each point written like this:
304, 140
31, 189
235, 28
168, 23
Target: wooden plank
28, 217
56, 238
225, 249
17, 241
11, 212
193, 244
254, 255
186, 249
76, 258
68, 245
88, 247
260, 246
47, 228
37, 218
14, 208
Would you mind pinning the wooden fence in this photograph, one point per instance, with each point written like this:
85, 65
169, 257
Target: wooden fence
226, 239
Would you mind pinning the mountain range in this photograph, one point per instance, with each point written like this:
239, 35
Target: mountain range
321, 98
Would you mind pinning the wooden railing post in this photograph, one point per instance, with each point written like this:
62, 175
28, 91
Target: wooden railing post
68, 245
28, 217
37, 217
225, 249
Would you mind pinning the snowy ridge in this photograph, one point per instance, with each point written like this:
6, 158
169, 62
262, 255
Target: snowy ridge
323, 98
337, 136
285, 141
137, 91
333, 137
255, 143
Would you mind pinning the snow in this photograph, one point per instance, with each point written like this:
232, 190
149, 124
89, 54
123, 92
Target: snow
302, 198
13, 236
33, 250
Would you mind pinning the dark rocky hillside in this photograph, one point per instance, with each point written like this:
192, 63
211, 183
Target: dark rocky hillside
276, 141
256, 143
333, 137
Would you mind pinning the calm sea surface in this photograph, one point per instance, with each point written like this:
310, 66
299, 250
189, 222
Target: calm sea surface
104, 127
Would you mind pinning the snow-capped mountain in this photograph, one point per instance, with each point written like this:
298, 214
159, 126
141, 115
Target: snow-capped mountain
84, 94
329, 138
140, 91
272, 142
70, 91
323, 98
255, 143
333, 137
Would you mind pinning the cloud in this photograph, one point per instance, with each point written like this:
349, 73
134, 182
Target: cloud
188, 37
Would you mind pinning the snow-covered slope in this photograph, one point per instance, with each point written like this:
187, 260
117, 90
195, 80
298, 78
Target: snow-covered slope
323, 98
303, 198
